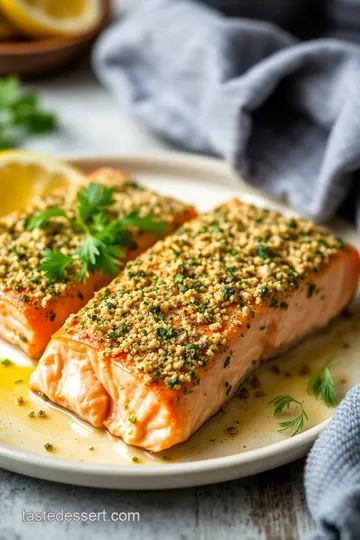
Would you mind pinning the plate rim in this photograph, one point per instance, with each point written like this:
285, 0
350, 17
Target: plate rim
166, 469
81, 470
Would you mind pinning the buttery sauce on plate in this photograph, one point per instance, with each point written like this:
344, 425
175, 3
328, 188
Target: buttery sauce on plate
246, 423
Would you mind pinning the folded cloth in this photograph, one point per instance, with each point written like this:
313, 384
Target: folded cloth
332, 475
286, 114
344, 13
304, 18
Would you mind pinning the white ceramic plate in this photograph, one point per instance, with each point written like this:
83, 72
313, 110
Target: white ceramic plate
205, 182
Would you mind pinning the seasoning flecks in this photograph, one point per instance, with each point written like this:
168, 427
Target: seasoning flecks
21, 249
174, 308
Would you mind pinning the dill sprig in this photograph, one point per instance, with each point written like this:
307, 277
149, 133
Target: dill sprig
104, 237
322, 385
297, 424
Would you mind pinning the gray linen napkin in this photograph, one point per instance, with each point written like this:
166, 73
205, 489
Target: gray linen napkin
332, 476
285, 113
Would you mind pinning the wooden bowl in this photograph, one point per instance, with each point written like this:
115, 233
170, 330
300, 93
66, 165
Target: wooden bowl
33, 58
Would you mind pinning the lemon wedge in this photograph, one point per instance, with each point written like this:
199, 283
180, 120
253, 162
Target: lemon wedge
44, 18
7, 30
25, 174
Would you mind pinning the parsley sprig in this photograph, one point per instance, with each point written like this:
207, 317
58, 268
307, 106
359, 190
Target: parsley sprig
322, 385
21, 114
297, 424
101, 249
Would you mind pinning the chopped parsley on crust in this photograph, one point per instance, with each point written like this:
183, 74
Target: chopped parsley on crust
173, 308
21, 248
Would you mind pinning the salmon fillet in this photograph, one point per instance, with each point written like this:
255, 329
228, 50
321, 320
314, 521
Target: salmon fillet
32, 308
169, 342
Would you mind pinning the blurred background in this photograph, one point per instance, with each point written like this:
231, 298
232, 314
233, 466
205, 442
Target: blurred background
251, 81
88, 118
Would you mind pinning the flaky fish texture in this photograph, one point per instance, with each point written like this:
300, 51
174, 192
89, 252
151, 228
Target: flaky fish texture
169, 342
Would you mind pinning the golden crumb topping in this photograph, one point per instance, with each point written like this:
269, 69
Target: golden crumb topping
21, 249
173, 308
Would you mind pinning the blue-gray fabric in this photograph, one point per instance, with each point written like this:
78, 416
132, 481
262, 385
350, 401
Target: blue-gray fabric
332, 474
286, 114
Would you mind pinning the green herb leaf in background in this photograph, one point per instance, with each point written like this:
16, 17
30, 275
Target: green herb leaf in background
9, 91
21, 114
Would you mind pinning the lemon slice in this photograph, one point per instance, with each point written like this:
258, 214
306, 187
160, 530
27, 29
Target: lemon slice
42, 18
7, 30
25, 174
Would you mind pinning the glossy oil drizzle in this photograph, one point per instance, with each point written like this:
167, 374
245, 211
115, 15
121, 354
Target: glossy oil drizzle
246, 423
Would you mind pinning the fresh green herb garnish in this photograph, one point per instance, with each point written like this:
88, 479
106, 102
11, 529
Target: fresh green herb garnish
170, 383
263, 251
155, 310
54, 263
297, 424
264, 290
203, 307
147, 223
227, 362
103, 238
228, 387
164, 333
192, 346
132, 419
228, 292
311, 289
94, 198
292, 223
322, 385
6, 362
40, 219
48, 447
20, 114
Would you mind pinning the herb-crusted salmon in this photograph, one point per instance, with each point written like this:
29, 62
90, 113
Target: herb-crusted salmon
169, 341
53, 256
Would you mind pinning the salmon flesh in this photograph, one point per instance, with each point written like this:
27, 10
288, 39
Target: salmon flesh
161, 349
32, 308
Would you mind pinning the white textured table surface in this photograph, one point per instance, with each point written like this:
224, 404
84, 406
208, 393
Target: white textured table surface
266, 507
90, 118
